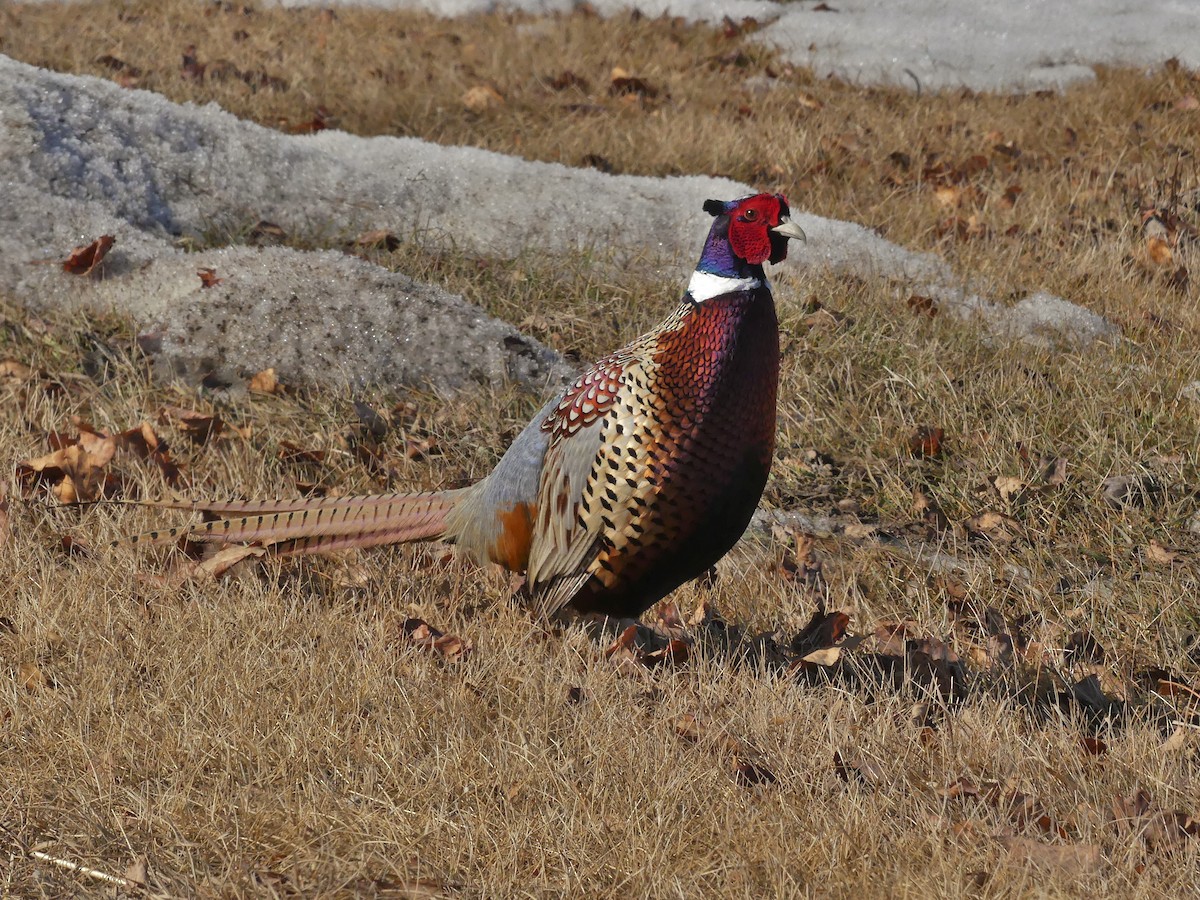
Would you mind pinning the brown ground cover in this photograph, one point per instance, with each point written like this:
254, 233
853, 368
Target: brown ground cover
1014, 716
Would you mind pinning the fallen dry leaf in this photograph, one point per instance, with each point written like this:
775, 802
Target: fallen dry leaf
1159, 237
1020, 808
380, 237
827, 657
419, 448
73, 546
481, 98
74, 467
1053, 470
222, 561
929, 511
265, 382
290, 451
640, 646
1139, 816
691, 728
84, 260
124, 74
1089, 694
137, 872
144, 443
1181, 738
905, 656
1160, 554
265, 232
749, 773
13, 370
891, 637
822, 632
208, 278
799, 562
668, 621
923, 305
926, 442
948, 195
449, 647
995, 527
1093, 746
1009, 486
197, 426
746, 763
1167, 687
190, 67
140, 440
705, 614
1010, 196
322, 118
1082, 646
621, 83
852, 766
961, 229
73, 472
32, 678
1130, 490
860, 531
568, 79
675, 653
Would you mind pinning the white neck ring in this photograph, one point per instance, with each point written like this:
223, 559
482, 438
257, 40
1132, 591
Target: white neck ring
705, 285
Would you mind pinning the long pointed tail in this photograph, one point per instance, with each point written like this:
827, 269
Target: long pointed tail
293, 527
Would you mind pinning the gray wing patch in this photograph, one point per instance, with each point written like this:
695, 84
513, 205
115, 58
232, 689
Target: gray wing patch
473, 523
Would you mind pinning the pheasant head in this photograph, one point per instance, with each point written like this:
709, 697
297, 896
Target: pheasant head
747, 233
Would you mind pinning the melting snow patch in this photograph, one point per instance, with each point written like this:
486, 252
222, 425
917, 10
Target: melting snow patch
1045, 319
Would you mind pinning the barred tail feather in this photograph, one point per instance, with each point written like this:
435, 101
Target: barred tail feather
293, 527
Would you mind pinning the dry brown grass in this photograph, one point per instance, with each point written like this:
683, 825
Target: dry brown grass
273, 731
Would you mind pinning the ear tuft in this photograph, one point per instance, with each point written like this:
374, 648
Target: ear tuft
714, 207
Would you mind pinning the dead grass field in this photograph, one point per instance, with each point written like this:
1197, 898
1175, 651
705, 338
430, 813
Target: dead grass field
276, 732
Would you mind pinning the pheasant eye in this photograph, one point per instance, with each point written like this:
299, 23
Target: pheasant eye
750, 215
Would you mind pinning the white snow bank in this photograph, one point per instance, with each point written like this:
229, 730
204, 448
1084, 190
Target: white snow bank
692, 10
80, 157
316, 317
984, 44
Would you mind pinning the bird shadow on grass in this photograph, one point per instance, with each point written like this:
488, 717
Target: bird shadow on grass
896, 659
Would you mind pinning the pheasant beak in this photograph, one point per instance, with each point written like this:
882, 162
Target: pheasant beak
790, 229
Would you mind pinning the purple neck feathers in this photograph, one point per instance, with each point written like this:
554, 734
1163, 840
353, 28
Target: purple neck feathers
718, 258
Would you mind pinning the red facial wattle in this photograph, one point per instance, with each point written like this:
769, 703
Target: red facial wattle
750, 225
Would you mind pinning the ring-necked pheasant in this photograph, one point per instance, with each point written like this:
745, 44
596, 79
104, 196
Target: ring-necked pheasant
637, 478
